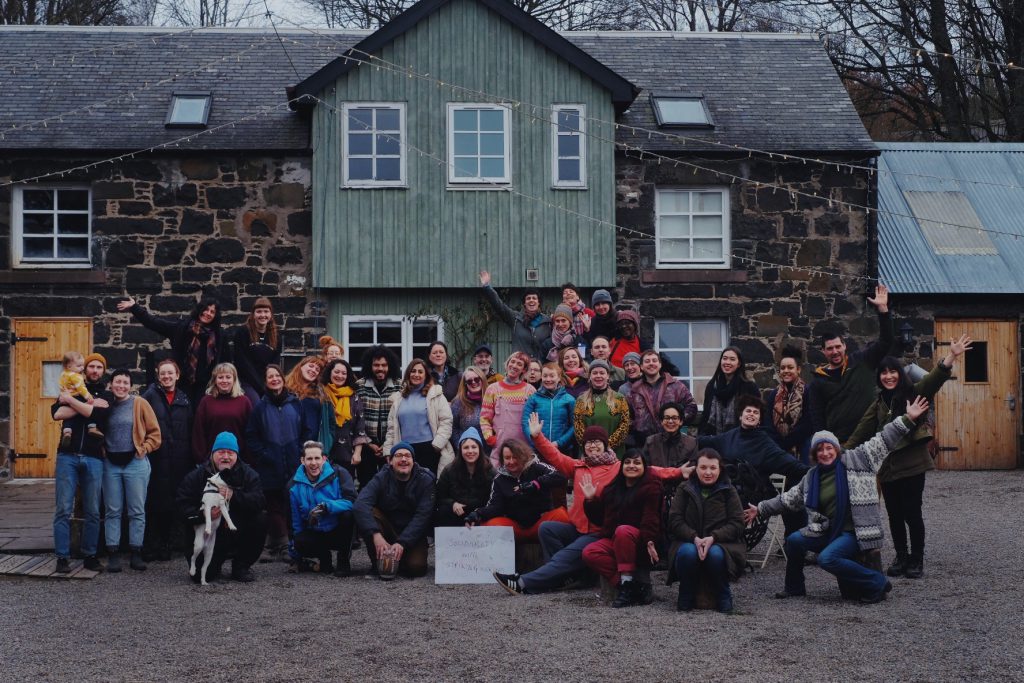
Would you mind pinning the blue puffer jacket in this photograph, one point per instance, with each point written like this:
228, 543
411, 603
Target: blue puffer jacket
556, 410
275, 435
334, 488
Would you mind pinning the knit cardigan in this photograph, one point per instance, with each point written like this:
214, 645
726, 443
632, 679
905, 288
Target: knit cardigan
617, 406
439, 415
861, 465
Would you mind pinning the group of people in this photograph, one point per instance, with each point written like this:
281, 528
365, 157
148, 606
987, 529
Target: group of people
317, 461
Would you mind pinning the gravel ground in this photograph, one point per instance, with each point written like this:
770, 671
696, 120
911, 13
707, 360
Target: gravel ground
962, 621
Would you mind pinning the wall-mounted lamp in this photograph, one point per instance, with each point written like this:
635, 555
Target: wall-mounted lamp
907, 336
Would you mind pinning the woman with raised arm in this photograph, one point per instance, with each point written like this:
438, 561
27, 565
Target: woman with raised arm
257, 344
197, 342
706, 525
840, 498
729, 382
902, 474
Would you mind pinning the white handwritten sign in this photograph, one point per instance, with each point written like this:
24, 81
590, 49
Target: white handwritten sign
470, 555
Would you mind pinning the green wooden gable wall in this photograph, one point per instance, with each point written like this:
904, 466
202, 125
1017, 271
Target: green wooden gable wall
426, 235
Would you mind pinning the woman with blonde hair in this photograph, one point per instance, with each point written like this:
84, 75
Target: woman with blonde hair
224, 408
420, 415
467, 403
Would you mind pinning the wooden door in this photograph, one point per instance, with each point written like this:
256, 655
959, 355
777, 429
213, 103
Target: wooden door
39, 346
977, 419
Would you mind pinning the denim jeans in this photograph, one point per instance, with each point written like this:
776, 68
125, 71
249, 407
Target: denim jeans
562, 545
125, 487
836, 558
688, 564
74, 471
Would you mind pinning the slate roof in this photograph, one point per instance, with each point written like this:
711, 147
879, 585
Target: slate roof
776, 92
960, 183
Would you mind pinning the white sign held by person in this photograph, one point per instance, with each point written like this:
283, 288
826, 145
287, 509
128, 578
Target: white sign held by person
470, 555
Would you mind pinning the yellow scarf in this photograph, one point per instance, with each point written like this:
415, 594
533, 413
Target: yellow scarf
342, 405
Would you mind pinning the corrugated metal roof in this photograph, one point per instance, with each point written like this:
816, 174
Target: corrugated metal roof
931, 183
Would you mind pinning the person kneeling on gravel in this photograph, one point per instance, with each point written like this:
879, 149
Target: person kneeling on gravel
321, 502
394, 512
244, 494
841, 501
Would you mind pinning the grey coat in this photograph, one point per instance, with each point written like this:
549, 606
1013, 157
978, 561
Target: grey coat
524, 338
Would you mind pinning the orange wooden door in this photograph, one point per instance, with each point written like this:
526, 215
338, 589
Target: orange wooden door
977, 420
39, 346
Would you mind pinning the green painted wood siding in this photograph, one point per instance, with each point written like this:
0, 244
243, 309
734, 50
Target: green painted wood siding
426, 235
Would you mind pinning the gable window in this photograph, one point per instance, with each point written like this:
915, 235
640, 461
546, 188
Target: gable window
694, 346
407, 337
568, 158
478, 144
692, 228
51, 225
373, 135
188, 110
680, 110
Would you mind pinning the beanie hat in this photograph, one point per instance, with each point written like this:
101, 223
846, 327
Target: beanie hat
824, 437
562, 311
628, 316
95, 356
402, 446
471, 434
600, 363
225, 441
631, 357
601, 296
483, 347
596, 433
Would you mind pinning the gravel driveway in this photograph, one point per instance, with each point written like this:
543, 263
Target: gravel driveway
962, 621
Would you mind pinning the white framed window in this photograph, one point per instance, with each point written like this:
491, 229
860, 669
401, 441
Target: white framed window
568, 146
479, 144
373, 141
51, 226
694, 346
692, 227
406, 336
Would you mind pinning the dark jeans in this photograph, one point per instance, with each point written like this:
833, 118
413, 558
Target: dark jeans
837, 558
425, 456
689, 564
243, 546
319, 544
368, 466
161, 519
278, 512
414, 559
903, 501
562, 545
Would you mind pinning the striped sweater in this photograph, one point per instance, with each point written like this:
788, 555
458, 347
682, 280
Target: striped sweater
501, 414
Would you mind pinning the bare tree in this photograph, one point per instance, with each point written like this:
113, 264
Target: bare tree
706, 15
77, 12
929, 69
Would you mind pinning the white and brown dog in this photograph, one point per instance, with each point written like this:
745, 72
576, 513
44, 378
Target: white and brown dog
206, 533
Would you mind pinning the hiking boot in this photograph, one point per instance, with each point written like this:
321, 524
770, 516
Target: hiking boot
915, 567
644, 593
92, 564
898, 566
242, 574
874, 598
783, 594
509, 582
627, 595
136, 562
113, 561
63, 565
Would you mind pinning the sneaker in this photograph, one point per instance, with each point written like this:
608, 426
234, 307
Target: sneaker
915, 568
242, 575
92, 564
63, 565
509, 582
898, 566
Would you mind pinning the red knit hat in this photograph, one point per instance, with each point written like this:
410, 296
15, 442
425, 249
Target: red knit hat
596, 433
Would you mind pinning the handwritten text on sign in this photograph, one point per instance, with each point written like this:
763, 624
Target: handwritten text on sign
470, 555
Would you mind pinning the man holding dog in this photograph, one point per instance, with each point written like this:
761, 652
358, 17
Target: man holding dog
243, 493
394, 513
321, 505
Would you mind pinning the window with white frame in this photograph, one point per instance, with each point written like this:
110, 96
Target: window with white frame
373, 138
694, 346
479, 146
692, 227
568, 146
407, 337
51, 225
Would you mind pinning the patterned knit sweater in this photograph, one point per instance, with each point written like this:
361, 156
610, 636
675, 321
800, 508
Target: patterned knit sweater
861, 465
501, 414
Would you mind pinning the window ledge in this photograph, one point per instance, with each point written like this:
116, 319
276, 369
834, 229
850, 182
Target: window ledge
658, 277
53, 277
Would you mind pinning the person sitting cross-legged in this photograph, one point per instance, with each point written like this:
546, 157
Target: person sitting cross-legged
393, 512
840, 497
321, 509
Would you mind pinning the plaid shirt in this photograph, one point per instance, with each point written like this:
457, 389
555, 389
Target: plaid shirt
376, 407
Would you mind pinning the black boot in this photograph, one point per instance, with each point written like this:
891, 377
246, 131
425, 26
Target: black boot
136, 562
627, 594
113, 560
898, 566
684, 601
915, 567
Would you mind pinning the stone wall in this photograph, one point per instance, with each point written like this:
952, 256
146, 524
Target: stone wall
165, 230
767, 305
